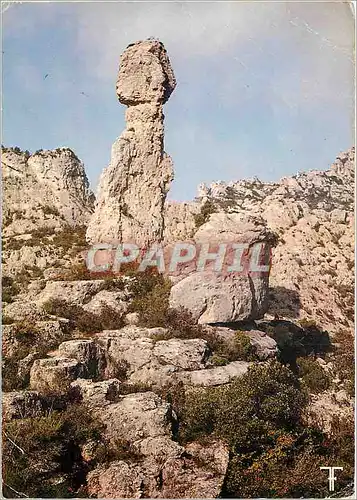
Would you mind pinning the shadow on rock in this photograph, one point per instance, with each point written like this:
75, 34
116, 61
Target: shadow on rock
284, 302
295, 341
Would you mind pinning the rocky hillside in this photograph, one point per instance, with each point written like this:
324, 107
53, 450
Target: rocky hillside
313, 215
199, 384
46, 199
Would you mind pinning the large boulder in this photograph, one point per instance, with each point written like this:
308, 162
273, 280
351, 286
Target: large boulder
87, 352
222, 295
96, 394
148, 361
198, 474
137, 416
195, 472
220, 375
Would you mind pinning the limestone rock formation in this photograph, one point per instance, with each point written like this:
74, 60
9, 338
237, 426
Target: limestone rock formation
195, 472
313, 215
225, 297
46, 203
133, 188
45, 189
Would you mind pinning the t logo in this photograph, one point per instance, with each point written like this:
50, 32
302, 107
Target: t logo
331, 476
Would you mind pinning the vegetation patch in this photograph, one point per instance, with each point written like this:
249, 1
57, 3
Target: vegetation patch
313, 375
344, 361
295, 342
9, 289
82, 321
207, 209
273, 453
42, 456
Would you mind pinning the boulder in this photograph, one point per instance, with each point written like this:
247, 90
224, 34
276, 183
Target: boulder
55, 374
224, 296
188, 354
265, 346
118, 302
195, 472
137, 416
77, 293
87, 352
96, 394
198, 474
119, 480
214, 376
211, 298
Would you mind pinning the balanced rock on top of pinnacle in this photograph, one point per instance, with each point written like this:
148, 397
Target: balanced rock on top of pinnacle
133, 188
145, 74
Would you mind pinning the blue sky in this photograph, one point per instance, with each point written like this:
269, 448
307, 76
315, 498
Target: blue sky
263, 88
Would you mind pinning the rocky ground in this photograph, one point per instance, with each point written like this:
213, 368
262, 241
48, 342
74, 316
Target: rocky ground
138, 385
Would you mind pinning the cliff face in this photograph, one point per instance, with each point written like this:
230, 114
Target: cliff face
44, 194
46, 189
313, 214
132, 190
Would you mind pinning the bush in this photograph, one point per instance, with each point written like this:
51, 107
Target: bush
42, 457
268, 397
344, 361
151, 293
83, 321
237, 349
9, 289
272, 452
290, 467
284, 470
313, 375
79, 272
51, 210
203, 216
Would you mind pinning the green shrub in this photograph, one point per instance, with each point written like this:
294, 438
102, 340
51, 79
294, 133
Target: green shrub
237, 349
9, 289
51, 210
344, 360
268, 397
79, 272
41, 456
117, 449
83, 321
290, 466
151, 293
294, 342
203, 216
7, 320
218, 360
307, 323
314, 376
71, 238
273, 453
